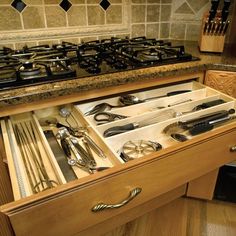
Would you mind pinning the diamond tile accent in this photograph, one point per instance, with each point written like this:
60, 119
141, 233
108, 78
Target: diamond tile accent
105, 4
65, 5
18, 5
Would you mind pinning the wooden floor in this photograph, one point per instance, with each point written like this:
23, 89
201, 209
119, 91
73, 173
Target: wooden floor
184, 217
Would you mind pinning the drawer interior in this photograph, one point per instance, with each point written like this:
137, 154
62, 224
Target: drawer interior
35, 154
34, 147
154, 124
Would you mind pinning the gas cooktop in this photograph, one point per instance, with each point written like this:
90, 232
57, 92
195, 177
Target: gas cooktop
45, 64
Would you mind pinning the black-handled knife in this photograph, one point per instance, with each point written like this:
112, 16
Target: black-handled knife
209, 104
212, 12
226, 27
225, 10
120, 129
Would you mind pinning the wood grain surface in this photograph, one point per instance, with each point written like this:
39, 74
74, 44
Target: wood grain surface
222, 81
184, 217
5, 193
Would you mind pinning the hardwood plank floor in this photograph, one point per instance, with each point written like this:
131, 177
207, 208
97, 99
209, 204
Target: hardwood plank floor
184, 217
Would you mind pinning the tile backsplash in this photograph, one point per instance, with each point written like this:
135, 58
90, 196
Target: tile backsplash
36, 22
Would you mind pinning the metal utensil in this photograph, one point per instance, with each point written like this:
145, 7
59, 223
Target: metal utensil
131, 126
138, 148
105, 117
131, 99
200, 107
100, 108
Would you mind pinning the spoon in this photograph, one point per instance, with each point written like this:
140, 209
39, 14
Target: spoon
100, 108
132, 99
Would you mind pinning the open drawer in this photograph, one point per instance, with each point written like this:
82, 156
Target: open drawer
49, 202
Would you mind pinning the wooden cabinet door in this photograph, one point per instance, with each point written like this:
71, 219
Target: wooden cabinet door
222, 80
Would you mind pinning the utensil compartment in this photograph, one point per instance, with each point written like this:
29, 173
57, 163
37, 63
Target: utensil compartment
35, 154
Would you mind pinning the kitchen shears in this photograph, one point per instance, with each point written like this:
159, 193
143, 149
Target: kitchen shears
105, 117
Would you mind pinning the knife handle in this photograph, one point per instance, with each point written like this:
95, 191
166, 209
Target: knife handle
226, 27
119, 129
217, 31
201, 128
177, 92
221, 28
206, 118
209, 104
205, 27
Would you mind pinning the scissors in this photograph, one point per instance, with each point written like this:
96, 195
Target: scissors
105, 117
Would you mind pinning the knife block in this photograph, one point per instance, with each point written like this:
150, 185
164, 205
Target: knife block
210, 42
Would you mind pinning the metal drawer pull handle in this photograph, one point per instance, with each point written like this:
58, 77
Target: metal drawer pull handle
103, 206
233, 149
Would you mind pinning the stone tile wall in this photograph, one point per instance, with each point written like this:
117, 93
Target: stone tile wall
51, 21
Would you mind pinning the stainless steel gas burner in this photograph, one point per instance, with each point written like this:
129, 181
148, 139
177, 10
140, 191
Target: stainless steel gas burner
44, 63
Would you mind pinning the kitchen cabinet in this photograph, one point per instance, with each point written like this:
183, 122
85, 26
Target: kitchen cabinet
79, 207
224, 81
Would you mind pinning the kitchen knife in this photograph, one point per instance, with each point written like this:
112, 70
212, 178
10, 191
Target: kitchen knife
131, 126
208, 104
225, 10
210, 27
217, 30
221, 28
212, 12
214, 25
226, 27
205, 27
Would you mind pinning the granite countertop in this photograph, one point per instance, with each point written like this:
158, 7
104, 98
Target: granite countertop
40, 92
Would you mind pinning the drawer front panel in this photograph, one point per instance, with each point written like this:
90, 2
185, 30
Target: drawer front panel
71, 213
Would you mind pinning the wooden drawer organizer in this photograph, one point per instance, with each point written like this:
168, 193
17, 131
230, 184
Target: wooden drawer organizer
170, 114
66, 208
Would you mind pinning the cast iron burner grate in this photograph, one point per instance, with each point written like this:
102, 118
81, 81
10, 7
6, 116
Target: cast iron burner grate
45, 64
